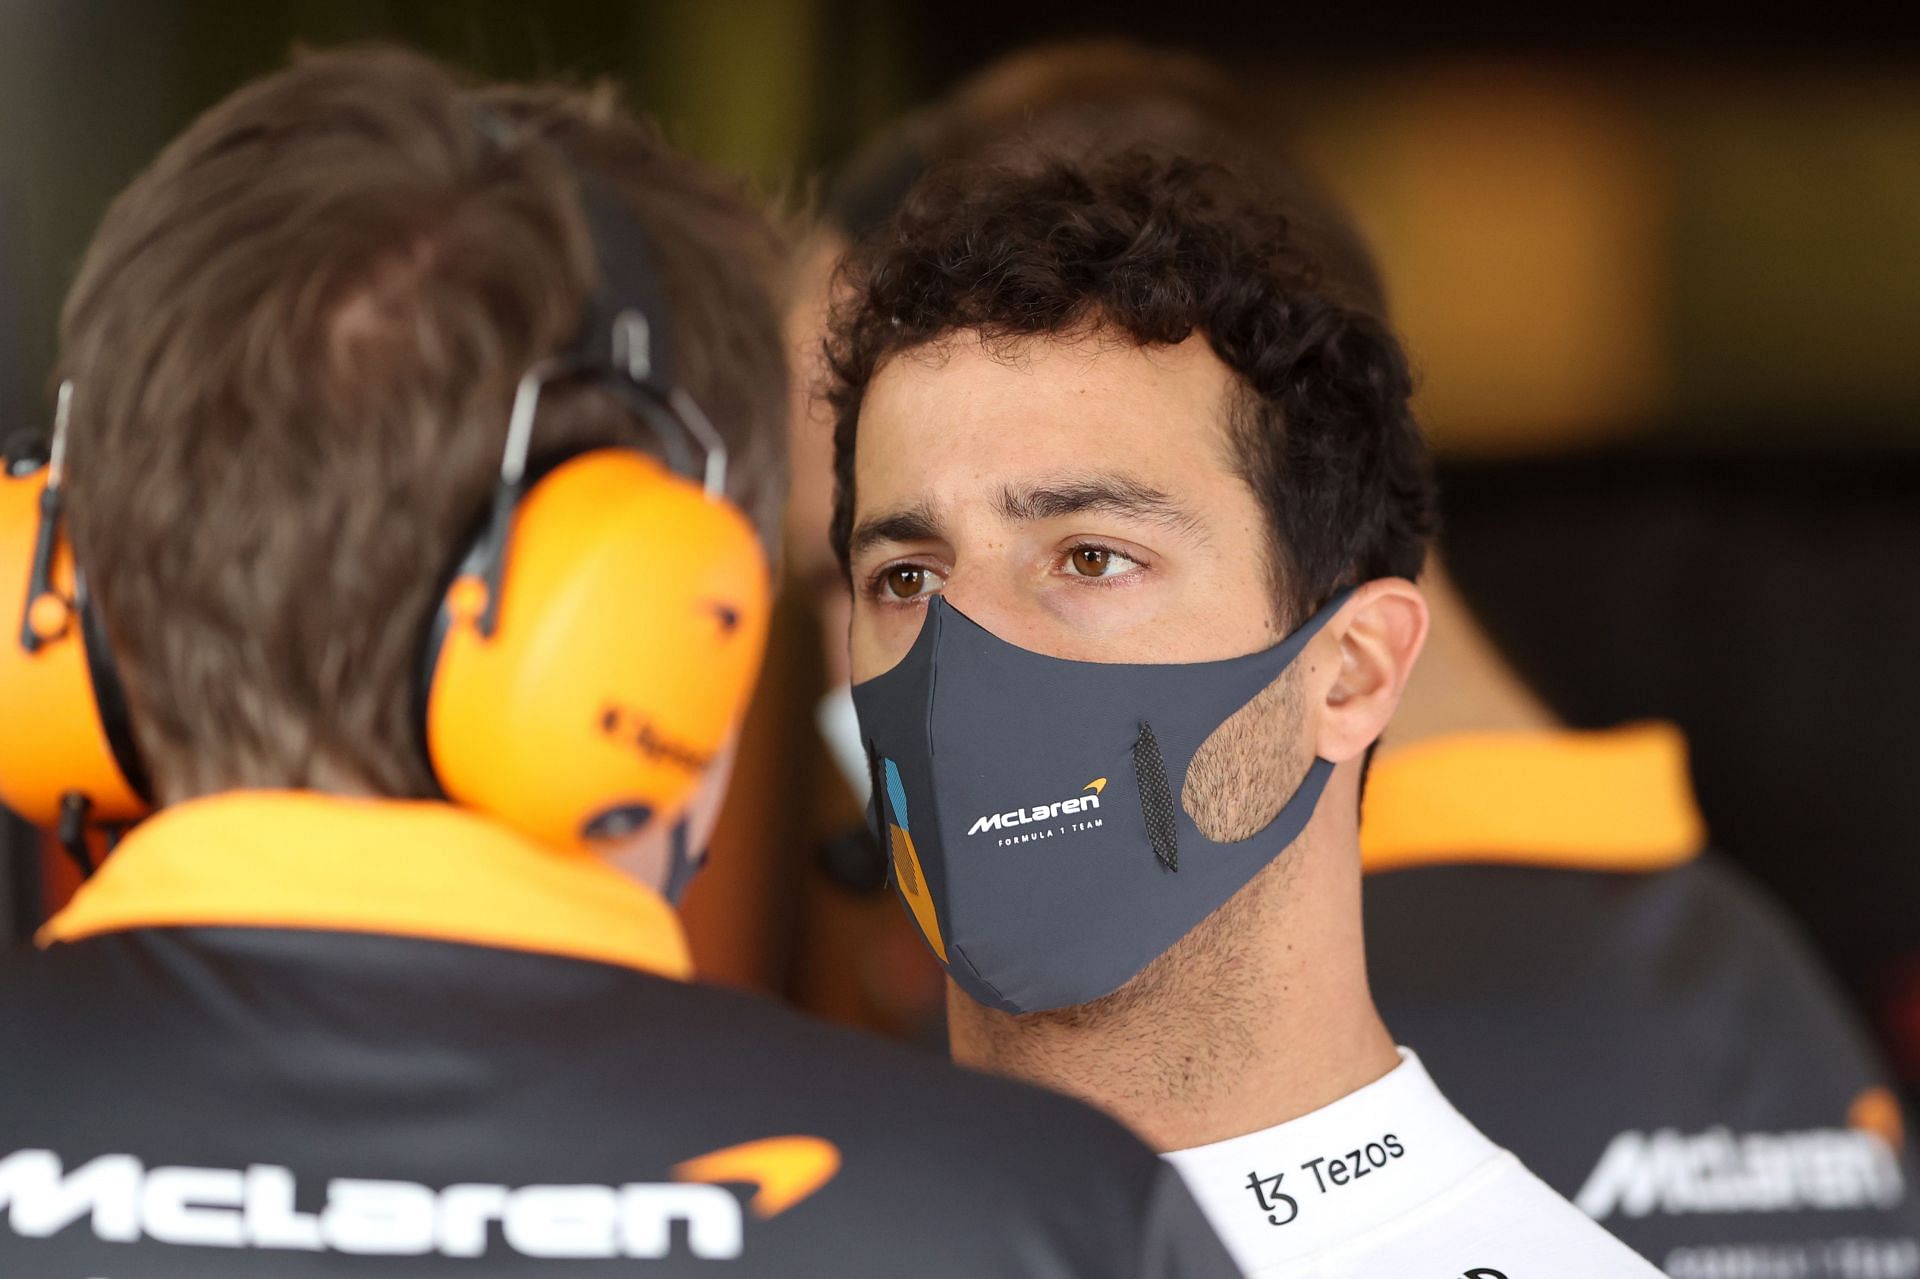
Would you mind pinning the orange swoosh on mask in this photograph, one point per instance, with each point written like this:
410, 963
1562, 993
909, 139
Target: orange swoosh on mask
783, 1170
912, 881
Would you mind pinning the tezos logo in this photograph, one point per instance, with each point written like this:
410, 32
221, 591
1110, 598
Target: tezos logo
1042, 812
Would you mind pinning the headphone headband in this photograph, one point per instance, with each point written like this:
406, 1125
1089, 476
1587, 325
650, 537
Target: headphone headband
618, 347
620, 332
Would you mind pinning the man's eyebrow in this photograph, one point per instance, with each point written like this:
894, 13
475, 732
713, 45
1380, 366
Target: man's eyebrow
916, 523
1109, 494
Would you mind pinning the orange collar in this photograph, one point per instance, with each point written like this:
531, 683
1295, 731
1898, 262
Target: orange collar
291, 859
1618, 800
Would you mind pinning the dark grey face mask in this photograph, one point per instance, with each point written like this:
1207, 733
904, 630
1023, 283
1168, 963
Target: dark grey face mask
1032, 806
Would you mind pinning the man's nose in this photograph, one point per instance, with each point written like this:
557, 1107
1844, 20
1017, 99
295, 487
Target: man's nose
999, 602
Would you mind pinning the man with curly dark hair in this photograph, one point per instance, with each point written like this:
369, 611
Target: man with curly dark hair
1132, 510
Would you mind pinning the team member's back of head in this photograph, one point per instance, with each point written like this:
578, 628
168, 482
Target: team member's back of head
295, 340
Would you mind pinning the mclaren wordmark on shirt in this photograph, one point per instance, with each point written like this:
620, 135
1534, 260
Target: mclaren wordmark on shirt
123, 1201
1718, 1171
1852, 1174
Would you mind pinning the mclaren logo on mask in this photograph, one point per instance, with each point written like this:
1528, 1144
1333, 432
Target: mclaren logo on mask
1083, 803
125, 1201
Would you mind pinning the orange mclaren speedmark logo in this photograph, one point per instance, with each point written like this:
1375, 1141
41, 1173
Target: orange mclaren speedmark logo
700, 1211
782, 1170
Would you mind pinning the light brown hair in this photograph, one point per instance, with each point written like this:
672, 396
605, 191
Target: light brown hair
295, 340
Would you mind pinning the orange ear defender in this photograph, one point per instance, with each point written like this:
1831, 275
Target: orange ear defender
597, 644
626, 632
66, 752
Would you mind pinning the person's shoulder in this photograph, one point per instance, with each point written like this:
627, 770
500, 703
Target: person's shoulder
38, 985
56, 1012
53, 999
943, 1145
1738, 906
1757, 945
1563, 1230
815, 1057
1502, 1222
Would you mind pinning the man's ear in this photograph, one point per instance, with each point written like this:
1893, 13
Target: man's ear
1376, 636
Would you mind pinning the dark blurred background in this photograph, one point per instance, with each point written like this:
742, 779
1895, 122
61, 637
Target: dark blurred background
1660, 268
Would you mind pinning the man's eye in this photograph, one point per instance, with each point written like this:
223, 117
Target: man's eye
1098, 561
909, 581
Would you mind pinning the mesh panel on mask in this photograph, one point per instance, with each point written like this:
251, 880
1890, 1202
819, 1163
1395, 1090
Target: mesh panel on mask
1156, 798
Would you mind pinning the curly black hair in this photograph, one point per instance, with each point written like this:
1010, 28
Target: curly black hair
1154, 247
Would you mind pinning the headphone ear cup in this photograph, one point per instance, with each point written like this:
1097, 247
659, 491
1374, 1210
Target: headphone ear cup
54, 741
632, 619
